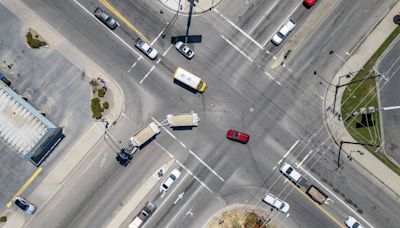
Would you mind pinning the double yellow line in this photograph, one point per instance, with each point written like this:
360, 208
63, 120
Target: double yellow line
122, 18
23, 188
340, 224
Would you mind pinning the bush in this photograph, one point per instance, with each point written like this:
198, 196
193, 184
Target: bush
101, 92
96, 108
93, 83
34, 43
3, 219
106, 105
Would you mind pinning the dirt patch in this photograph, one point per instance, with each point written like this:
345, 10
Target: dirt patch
243, 218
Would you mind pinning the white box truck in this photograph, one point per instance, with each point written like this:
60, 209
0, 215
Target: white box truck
183, 120
145, 135
190, 79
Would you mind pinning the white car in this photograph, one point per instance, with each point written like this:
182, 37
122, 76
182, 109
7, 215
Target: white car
185, 50
25, 205
171, 179
146, 48
285, 30
275, 202
288, 170
352, 223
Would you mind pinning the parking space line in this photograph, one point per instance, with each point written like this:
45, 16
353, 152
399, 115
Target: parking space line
148, 73
25, 185
237, 49
340, 200
240, 30
122, 18
191, 152
290, 150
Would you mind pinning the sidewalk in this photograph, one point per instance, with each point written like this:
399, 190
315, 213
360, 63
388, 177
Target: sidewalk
336, 128
43, 194
201, 6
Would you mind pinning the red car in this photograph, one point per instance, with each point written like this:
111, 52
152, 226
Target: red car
309, 3
238, 136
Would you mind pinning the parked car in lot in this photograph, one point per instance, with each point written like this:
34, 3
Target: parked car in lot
184, 49
309, 3
146, 49
352, 222
24, 205
276, 203
238, 136
171, 179
283, 32
110, 22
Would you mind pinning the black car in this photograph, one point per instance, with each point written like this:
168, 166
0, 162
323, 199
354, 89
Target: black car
106, 19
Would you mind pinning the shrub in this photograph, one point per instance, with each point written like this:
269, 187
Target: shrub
3, 218
106, 105
101, 92
34, 43
96, 108
93, 83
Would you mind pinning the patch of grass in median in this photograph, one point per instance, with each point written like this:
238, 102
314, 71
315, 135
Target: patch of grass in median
364, 95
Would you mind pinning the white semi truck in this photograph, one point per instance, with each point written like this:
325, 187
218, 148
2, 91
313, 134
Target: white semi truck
183, 120
136, 141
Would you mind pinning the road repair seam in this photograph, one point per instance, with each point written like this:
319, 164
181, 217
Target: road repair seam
195, 155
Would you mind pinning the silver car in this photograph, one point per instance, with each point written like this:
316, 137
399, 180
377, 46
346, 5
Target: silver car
185, 50
25, 205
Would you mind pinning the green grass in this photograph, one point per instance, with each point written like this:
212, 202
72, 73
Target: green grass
33, 42
364, 95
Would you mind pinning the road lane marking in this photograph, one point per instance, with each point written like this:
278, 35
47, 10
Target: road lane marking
237, 49
119, 38
280, 26
148, 73
191, 152
317, 205
193, 195
167, 50
25, 186
240, 30
290, 150
152, 43
134, 64
340, 200
262, 18
299, 164
122, 18
184, 167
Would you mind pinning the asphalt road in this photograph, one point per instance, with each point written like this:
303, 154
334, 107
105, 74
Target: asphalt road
279, 108
389, 93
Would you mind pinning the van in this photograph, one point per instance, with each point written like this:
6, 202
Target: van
189, 79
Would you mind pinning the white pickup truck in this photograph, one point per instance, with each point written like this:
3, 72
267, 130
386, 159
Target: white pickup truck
283, 32
292, 174
275, 202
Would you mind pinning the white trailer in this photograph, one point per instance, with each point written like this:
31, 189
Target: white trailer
183, 120
145, 135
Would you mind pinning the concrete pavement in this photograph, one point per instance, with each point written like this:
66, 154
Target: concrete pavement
336, 127
64, 167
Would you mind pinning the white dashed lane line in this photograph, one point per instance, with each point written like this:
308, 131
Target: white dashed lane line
237, 49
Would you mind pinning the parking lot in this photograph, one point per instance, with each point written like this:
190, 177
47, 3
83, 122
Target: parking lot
53, 85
